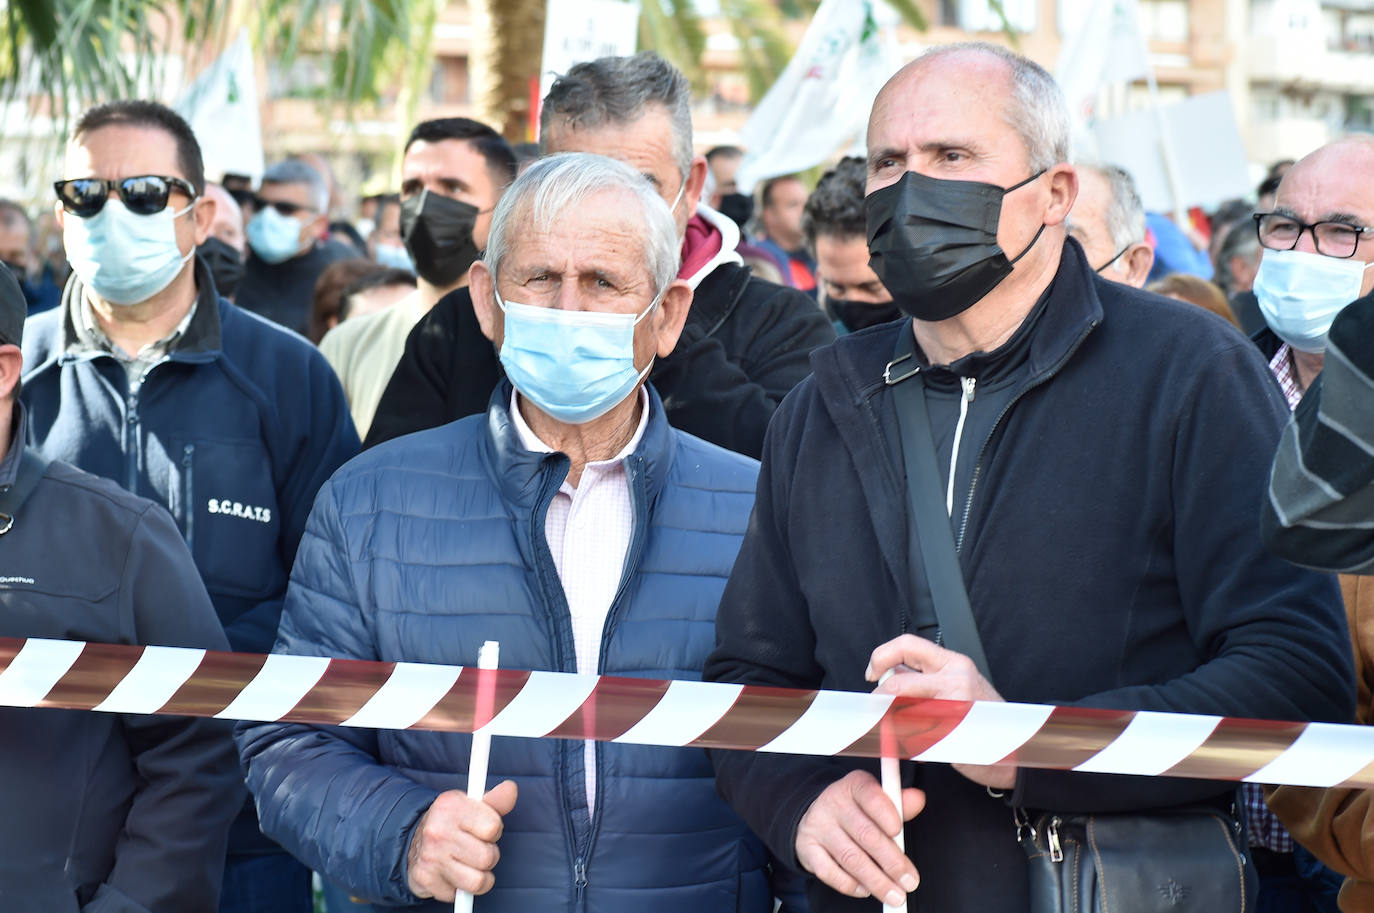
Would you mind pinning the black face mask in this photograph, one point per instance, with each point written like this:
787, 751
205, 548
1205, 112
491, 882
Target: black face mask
20, 271
859, 315
225, 264
737, 207
437, 231
933, 243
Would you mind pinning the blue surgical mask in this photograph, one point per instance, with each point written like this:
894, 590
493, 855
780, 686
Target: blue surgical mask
1301, 293
274, 237
394, 256
575, 366
123, 257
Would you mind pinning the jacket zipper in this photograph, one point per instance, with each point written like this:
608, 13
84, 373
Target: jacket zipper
982, 451
969, 384
188, 492
539, 547
633, 476
131, 441
131, 427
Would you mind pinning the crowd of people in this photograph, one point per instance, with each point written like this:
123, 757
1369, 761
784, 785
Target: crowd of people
592, 401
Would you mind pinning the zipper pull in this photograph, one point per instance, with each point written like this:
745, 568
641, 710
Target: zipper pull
1052, 836
580, 877
968, 383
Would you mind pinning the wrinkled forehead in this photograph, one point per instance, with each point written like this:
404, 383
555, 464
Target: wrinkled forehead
1335, 183
605, 223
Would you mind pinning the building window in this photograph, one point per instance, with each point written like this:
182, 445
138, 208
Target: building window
448, 83
1164, 20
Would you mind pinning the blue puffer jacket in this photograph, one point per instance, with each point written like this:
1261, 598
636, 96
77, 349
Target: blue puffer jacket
425, 547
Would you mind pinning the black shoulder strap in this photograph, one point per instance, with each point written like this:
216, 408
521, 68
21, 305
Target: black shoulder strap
12, 497
932, 540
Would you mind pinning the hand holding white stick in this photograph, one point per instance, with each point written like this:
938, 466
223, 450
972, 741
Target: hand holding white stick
487, 658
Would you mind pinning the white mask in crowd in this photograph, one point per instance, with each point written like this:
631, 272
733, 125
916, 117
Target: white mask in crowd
123, 257
1301, 293
393, 255
274, 237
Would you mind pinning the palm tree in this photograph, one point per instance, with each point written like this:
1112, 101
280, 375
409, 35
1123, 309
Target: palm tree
75, 52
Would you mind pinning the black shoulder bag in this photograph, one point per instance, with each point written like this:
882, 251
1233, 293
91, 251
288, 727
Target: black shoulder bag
1180, 860
12, 497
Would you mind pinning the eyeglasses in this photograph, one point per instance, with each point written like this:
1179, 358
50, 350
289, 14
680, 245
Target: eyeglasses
1332, 239
281, 206
143, 195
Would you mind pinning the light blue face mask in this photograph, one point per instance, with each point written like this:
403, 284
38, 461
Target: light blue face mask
274, 237
575, 366
123, 257
394, 256
1301, 293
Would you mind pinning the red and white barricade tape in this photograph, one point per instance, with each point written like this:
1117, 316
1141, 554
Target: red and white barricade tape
337, 692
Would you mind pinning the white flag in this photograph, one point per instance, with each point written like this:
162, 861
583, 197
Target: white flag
821, 102
222, 108
1107, 49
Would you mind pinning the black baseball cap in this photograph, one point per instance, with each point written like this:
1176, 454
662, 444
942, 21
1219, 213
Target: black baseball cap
14, 308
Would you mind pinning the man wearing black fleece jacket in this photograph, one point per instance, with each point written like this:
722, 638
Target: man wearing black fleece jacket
1103, 451
746, 341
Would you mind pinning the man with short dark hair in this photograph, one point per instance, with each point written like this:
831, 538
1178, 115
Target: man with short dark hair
781, 201
746, 343
834, 226
452, 173
287, 249
1098, 453
111, 811
147, 377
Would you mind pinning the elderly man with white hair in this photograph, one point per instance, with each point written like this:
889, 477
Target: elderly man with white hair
1108, 220
573, 525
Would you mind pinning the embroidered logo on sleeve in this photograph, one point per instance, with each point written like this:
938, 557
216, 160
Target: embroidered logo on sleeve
238, 509
10, 581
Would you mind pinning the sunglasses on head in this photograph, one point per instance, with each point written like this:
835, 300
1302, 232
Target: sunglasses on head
142, 195
281, 206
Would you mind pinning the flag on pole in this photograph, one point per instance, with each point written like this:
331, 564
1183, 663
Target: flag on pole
222, 108
821, 102
1107, 49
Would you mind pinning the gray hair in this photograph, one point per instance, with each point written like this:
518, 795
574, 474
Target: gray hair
1241, 239
618, 90
1125, 213
1036, 110
555, 184
294, 171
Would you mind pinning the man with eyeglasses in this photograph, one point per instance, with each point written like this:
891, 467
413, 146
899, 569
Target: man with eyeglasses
1316, 288
146, 376
287, 250
1317, 254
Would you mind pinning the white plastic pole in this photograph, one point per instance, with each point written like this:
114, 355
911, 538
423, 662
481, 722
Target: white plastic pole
487, 658
892, 785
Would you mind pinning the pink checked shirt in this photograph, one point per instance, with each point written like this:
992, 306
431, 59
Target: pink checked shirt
588, 529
